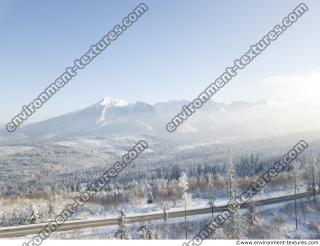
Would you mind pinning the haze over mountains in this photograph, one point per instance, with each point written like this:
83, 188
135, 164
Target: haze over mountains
238, 120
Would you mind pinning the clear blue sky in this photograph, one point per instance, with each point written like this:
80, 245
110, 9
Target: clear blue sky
173, 52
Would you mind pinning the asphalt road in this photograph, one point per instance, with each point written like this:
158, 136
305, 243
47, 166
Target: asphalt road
24, 230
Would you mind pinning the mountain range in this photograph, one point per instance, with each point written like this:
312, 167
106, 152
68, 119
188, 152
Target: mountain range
238, 120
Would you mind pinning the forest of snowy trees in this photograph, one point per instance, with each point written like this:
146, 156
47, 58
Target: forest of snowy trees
51, 175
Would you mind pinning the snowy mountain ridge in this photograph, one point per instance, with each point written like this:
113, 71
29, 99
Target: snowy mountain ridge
237, 120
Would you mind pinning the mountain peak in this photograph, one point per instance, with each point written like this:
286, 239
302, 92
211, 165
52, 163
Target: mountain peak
109, 102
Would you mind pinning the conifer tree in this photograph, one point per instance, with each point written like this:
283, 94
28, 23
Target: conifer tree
123, 231
235, 229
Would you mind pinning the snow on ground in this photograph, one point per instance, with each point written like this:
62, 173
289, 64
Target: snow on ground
10, 150
87, 145
143, 209
195, 145
275, 221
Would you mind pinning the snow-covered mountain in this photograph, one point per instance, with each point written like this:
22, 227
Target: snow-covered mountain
238, 120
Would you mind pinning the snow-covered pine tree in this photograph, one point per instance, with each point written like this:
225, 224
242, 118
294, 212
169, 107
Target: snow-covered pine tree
50, 210
165, 218
123, 231
235, 228
147, 233
150, 196
58, 203
211, 204
312, 186
165, 214
296, 178
253, 213
32, 213
183, 187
